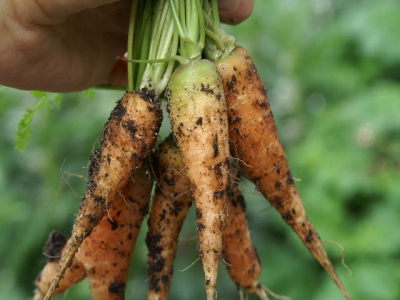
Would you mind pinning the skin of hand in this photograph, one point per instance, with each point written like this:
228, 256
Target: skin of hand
65, 46
235, 11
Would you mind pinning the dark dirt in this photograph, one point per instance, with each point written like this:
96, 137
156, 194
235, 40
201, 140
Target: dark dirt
54, 245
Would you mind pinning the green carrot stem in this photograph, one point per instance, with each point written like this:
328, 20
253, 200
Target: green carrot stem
219, 43
214, 11
178, 17
189, 23
170, 66
163, 49
131, 33
202, 34
142, 43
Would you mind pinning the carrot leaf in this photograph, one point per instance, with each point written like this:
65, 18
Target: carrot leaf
46, 100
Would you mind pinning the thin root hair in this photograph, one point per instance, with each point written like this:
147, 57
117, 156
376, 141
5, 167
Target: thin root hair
52, 256
271, 293
265, 209
189, 266
241, 295
242, 161
188, 239
342, 254
66, 180
226, 263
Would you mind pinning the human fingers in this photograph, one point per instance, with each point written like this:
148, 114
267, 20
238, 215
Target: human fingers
118, 75
235, 11
43, 12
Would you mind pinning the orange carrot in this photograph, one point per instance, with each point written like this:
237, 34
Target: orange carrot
53, 249
107, 252
128, 138
239, 253
104, 256
171, 202
254, 141
199, 121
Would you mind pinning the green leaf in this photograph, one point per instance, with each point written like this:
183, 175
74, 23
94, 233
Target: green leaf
89, 93
46, 100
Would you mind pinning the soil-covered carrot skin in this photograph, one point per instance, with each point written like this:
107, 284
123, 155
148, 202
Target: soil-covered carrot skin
239, 253
107, 252
254, 141
104, 256
128, 137
53, 249
199, 121
171, 203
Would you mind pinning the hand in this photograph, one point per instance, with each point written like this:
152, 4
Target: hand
64, 46
235, 11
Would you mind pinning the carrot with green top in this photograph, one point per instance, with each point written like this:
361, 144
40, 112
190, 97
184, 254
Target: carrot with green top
128, 137
199, 121
254, 141
198, 114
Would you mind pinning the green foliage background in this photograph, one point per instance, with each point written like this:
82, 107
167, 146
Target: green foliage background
332, 70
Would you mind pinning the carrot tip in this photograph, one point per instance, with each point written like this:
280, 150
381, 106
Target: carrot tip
37, 295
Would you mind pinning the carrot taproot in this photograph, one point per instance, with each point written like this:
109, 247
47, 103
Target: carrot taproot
199, 121
255, 142
240, 255
128, 137
171, 202
104, 256
53, 249
107, 252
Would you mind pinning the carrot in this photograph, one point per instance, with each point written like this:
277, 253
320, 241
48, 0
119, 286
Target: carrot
54, 247
254, 141
199, 120
239, 253
104, 256
107, 252
128, 137
171, 202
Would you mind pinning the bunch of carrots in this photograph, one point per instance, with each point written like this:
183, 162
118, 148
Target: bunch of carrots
222, 128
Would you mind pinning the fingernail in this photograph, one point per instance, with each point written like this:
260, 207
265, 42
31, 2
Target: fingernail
225, 4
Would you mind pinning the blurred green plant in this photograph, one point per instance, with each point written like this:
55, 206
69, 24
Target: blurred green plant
332, 68
24, 126
46, 100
